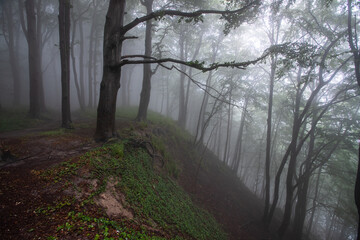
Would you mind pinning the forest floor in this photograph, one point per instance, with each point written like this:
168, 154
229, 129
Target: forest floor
32, 207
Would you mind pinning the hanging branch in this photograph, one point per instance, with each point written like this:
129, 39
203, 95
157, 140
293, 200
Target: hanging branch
194, 64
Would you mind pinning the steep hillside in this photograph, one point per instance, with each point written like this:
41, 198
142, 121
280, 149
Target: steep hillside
150, 183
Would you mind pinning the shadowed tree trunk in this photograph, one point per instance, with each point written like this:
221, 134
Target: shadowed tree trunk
81, 61
110, 84
268, 139
315, 199
237, 154
10, 40
204, 103
75, 74
301, 204
146, 84
182, 108
33, 33
352, 39
90, 62
64, 34
95, 83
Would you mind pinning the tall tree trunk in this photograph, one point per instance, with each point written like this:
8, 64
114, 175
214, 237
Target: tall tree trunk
34, 52
301, 204
237, 154
96, 46
73, 61
277, 186
64, 34
110, 84
182, 113
124, 82
268, 139
204, 103
292, 164
146, 84
187, 93
228, 129
90, 64
13, 53
219, 137
311, 220
357, 193
81, 61
355, 51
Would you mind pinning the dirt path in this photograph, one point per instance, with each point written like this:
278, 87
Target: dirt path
21, 192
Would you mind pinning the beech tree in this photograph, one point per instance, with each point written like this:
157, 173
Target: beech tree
32, 31
64, 35
353, 40
11, 35
114, 36
147, 71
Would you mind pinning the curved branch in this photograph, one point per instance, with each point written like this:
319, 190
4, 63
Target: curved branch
197, 65
162, 13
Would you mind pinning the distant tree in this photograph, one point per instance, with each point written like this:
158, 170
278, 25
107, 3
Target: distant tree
77, 15
353, 42
147, 71
32, 31
64, 35
10, 32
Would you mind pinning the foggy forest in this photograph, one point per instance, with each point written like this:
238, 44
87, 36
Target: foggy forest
221, 119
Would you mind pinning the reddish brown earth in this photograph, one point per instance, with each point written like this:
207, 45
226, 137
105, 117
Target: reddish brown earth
22, 192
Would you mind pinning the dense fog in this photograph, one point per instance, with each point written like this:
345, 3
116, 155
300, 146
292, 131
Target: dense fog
303, 70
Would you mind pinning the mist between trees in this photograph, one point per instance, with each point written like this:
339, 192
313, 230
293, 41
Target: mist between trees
271, 87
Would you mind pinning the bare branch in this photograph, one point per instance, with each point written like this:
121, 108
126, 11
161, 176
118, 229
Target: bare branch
197, 65
162, 13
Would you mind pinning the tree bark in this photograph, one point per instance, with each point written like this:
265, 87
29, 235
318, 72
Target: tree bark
81, 61
147, 72
237, 154
301, 204
64, 34
13, 53
357, 193
96, 46
228, 128
268, 139
34, 55
110, 84
292, 162
311, 220
73, 61
356, 54
182, 108
90, 63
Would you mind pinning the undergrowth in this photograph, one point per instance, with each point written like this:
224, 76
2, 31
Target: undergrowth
156, 199
17, 119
